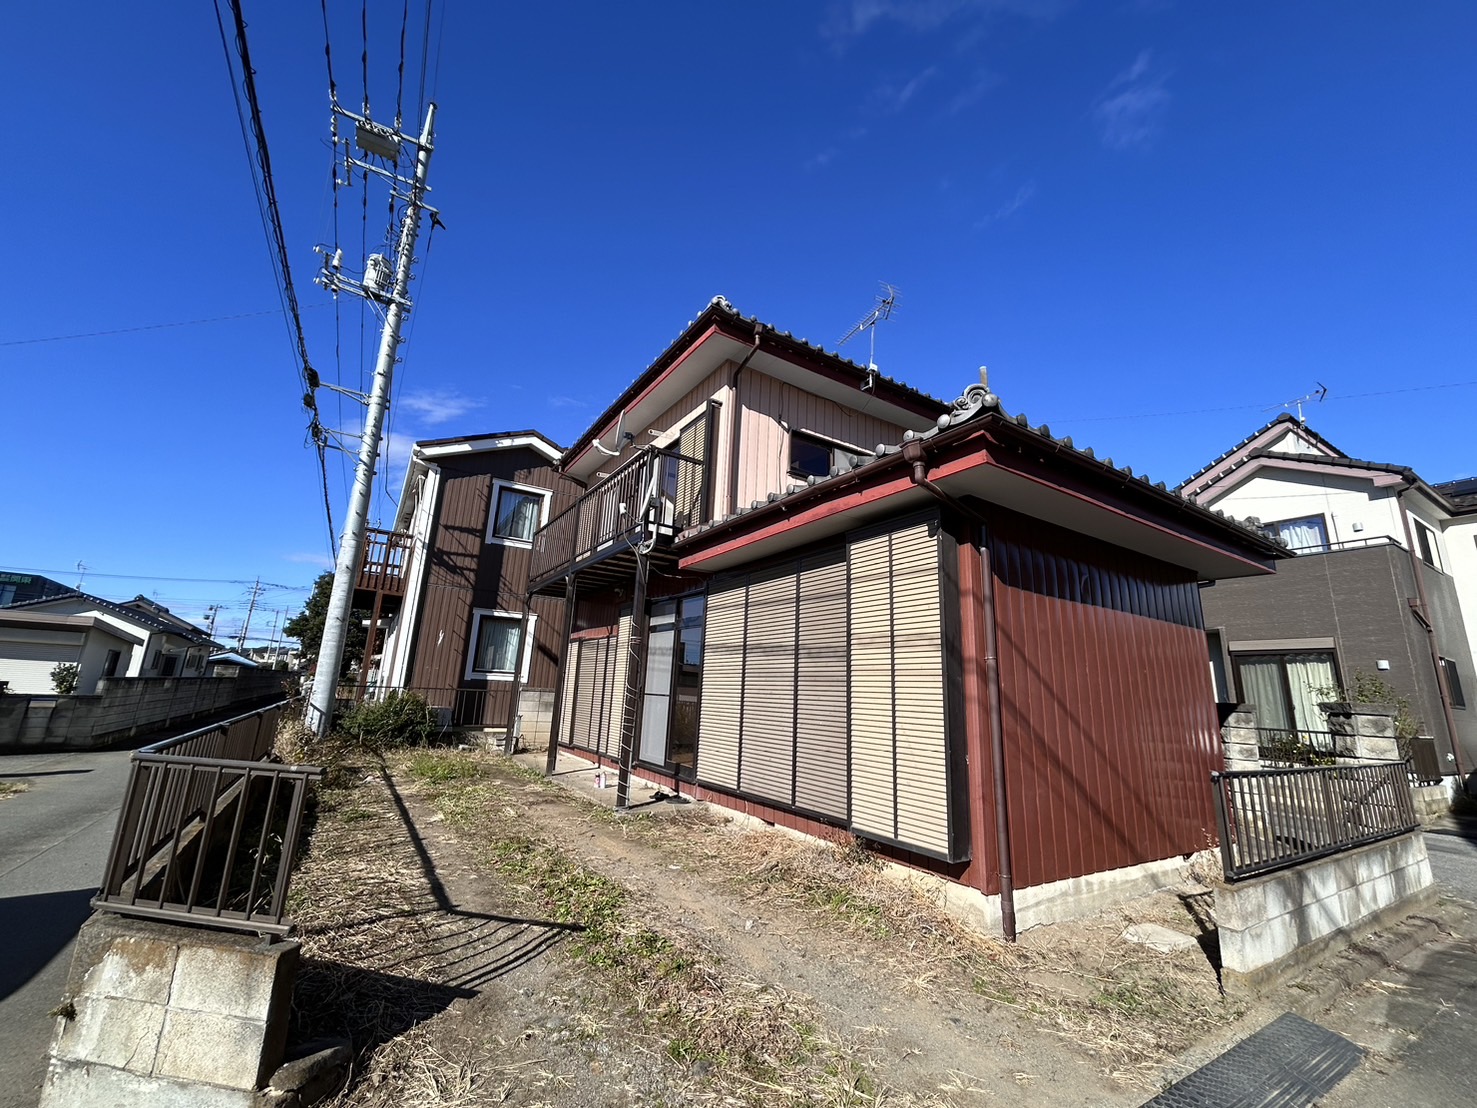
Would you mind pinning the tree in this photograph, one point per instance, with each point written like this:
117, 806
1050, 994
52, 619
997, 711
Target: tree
64, 678
307, 626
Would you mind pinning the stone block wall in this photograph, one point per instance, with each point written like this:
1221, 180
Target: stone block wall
1239, 737
1273, 924
166, 1015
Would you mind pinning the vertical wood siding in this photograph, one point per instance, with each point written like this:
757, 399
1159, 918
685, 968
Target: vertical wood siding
899, 725
764, 462
464, 572
1109, 718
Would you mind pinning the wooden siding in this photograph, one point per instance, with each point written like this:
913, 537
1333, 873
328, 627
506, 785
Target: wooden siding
764, 446
1109, 719
900, 744
465, 572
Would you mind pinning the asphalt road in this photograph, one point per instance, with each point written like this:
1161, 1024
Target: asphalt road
1453, 851
53, 839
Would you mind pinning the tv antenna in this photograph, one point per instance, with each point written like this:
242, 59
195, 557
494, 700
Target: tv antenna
1314, 397
885, 301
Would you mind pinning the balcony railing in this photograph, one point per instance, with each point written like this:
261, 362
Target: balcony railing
655, 494
382, 566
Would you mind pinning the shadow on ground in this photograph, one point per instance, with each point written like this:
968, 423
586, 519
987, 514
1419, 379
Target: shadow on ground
36, 928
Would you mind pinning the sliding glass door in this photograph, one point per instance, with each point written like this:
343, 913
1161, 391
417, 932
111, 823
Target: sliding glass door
674, 673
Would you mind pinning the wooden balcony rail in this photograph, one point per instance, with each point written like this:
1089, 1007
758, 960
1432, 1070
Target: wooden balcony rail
383, 563
655, 494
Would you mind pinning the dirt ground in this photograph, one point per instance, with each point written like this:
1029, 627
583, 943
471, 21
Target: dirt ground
484, 936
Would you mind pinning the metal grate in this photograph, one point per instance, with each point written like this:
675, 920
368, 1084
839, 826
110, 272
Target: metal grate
1290, 1063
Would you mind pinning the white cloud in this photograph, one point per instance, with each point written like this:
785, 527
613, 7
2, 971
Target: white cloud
974, 91
821, 158
1130, 112
851, 19
567, 402
1022, 197
892, 98
437, 406
323, 561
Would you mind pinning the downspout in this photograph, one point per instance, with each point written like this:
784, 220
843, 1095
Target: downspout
738, 417
914, 454
1426, 622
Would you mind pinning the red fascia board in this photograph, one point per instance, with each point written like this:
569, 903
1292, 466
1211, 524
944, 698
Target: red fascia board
613, 413
959, 457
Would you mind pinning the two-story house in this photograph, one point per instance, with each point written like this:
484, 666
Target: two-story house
1386, 565
803, 590
447, 589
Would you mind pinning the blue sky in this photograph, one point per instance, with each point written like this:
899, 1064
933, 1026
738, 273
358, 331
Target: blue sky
1154, 221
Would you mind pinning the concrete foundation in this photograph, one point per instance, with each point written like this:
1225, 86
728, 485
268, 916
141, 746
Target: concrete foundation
1270, 926
164, 1015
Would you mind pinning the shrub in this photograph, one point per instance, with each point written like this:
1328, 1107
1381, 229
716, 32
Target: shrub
1368, 688
64, 678
401, 718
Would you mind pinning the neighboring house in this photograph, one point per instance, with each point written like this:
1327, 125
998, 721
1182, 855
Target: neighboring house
102, 637
809, 592
1386, 567
464, 635
17, 588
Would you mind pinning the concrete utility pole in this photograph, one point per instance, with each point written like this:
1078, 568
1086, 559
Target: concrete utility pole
373, 139
256, 591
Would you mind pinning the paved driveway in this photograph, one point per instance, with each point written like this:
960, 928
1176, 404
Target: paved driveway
1453, 850
52, 841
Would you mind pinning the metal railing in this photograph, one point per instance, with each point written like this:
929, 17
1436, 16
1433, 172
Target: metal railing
657, 490
1270, 819
208, 829
452, 707
1425, 763
1283, 746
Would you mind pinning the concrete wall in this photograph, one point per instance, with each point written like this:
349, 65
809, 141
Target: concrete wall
1460, 538
1271, 925
125, 706
164, 1015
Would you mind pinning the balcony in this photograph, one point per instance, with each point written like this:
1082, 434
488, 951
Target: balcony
382, 565
653, 496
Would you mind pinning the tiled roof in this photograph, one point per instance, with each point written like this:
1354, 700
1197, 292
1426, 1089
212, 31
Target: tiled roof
720, 308
1462, 493
168, 624
491, 435
978, 403
1285, 417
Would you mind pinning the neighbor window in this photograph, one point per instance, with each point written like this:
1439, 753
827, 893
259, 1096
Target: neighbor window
497, 646
1454, 683
516, 513
1287, 688
1425, 542
7, 594
110, 663
1308, 535
812, 456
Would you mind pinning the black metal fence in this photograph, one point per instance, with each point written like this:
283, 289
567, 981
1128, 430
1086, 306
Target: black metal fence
209, 829
1270, 819
1282, 746
448, 708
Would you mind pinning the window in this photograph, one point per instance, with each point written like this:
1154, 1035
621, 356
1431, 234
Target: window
517, 512
1286, 688
1308, 535
1454, 684
1425, 544
495, 652
171, 663
7, 594
110, 663
813, 456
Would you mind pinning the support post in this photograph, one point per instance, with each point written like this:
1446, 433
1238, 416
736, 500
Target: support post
634, 697
351, 545
525, 648
557, 721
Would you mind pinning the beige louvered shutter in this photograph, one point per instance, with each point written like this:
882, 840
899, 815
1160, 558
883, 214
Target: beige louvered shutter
693, 443
620, 648
821, 687
584, 696
604, 693
767, 759
899, 760
872, 781
566, 693
723, 684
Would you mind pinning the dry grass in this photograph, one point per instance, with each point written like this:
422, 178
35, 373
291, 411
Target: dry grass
9, 789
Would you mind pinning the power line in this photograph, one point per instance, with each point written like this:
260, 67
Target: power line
151, 577
143, 327
1258, 407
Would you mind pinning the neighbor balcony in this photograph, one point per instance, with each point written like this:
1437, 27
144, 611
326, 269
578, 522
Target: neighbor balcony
382, 565
650, 499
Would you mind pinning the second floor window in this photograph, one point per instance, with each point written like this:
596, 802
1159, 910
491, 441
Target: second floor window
516, 513
1425, 544
811, 456
1306, 536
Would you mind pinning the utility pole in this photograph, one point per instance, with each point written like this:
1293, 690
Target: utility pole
256, 591
374, 140
210, 614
